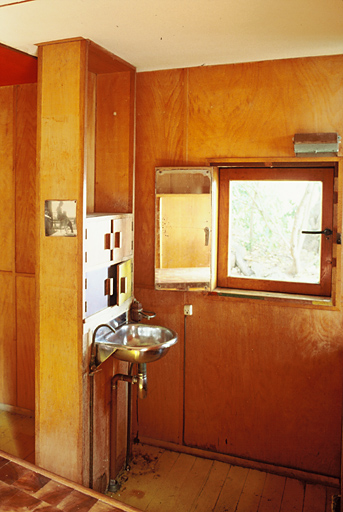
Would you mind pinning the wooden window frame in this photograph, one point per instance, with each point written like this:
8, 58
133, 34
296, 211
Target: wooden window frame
323, 171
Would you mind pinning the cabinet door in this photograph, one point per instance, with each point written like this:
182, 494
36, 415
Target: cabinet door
121, 238
108, 239
100, 289
124, 281
97, 247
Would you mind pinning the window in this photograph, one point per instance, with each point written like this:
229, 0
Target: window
264, 213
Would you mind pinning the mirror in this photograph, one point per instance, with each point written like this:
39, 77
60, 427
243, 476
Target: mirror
184, 230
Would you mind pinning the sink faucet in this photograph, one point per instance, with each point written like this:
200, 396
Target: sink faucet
137, 313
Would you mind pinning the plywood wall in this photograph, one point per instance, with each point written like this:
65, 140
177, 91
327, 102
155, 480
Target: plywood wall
114, 142
18, 122
248, 378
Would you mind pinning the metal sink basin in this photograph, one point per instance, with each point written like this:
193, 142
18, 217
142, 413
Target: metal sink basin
135, 343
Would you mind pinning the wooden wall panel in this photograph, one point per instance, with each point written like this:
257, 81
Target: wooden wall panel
161, 141
7, 219
263, 381
18, 115
8, 350
90, 142
114, 142
160, 413
25, 314
254, 109
266, 388
25, 177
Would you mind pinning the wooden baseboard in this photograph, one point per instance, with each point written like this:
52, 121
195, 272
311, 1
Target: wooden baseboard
17, 410
246, 463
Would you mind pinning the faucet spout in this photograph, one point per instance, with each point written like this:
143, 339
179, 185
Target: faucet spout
147, 314
101, 326
93, 365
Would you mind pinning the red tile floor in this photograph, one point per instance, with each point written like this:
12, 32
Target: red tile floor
25, 487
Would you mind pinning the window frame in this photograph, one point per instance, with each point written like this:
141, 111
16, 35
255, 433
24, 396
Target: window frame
326, 172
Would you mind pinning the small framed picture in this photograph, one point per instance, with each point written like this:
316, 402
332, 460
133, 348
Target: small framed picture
60, 218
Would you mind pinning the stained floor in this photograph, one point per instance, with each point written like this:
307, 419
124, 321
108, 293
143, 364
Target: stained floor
161, 480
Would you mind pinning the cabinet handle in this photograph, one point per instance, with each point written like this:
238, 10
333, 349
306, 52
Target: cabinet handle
109, 286
123, 285
117, 240
109, 241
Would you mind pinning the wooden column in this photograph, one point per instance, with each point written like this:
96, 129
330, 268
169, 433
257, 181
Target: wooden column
61, 120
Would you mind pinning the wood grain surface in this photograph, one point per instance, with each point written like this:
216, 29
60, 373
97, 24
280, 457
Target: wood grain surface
262, 380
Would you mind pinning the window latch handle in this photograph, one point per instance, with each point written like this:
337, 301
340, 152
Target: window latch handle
327, 232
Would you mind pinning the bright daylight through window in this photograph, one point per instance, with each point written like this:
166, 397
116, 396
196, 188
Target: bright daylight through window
270, 229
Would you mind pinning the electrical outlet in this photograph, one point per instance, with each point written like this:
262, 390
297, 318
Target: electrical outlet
188, 310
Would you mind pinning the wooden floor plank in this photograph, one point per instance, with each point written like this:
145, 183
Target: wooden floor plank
272, 494
149, 470
293, 496
192, 485
252, 491
232, 489
208, 496
315, 498
162, 480
170, 493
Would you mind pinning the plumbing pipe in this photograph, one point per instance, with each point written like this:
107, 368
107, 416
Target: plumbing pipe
128, 425
113, 485
142, 381
123, 377
91, 427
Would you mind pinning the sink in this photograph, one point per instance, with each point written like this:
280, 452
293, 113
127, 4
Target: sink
135, 343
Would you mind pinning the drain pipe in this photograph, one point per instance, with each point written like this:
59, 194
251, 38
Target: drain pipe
114, 485
128, 423
141, 380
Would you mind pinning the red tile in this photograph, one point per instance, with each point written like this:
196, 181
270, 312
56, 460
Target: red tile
3, 461
53, 493
6, 491
11, 472
77, 502
31, 482
19, 501
45, 507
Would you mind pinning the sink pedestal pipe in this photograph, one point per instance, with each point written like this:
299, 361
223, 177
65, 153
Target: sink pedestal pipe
141, 380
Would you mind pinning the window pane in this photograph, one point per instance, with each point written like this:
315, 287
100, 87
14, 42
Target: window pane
266, 220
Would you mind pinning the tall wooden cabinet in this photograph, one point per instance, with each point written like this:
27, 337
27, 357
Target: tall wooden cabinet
85, 158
